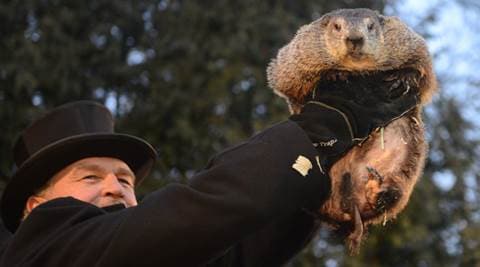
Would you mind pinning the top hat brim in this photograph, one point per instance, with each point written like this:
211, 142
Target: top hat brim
45, 163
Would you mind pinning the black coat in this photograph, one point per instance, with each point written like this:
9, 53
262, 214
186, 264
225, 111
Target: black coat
244, 209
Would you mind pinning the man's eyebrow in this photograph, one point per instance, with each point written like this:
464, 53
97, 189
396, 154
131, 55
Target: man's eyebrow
89, 167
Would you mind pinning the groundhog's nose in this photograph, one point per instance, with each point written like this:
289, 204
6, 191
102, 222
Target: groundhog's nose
354, 42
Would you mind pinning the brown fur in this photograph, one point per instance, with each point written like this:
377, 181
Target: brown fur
353, 42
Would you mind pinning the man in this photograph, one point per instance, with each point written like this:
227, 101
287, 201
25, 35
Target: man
71, 200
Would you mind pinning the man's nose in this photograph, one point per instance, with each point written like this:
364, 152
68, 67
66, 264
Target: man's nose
112, 186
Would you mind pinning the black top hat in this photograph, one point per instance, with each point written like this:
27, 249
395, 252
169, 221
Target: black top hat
67, 134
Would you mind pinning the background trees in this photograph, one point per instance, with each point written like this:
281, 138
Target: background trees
189, 76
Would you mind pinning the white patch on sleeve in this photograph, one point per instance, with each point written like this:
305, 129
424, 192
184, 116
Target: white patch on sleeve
319, 165
302, 165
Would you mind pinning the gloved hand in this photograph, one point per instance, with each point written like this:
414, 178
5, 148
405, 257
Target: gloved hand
335, 124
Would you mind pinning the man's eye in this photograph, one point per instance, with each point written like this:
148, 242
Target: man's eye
90, 177
124, 181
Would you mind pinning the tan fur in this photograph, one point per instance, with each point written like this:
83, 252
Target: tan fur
299, 65
320, 47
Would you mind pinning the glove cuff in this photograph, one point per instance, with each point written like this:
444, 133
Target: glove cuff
345, 117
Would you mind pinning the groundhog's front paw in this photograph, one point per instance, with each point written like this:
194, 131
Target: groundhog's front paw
401, 82
398, 88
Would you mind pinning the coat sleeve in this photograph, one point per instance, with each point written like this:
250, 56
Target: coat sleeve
273, 245
242, 190
279, 242
5, 237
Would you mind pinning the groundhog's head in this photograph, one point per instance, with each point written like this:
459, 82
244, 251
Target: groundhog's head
354, 41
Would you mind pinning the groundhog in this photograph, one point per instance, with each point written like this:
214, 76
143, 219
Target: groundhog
365, 56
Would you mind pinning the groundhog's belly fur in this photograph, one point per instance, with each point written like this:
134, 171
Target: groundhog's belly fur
378, 178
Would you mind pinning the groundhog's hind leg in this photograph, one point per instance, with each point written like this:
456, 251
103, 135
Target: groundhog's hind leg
374, 174
381, 174
381, 197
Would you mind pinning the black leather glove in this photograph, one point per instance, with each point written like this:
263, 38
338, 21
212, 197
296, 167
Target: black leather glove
335, 124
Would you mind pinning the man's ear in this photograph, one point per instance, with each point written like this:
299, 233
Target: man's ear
32, 202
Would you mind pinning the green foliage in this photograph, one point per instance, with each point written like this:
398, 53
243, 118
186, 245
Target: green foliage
189, 76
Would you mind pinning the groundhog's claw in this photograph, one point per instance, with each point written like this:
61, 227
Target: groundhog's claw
374, 174
386, 199
397, 89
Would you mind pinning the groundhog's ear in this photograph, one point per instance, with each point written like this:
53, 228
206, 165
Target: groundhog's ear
325, 19
381, 18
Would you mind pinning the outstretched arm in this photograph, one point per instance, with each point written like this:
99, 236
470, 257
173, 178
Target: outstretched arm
243, 190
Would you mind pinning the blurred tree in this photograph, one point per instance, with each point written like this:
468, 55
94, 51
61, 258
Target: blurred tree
189, 76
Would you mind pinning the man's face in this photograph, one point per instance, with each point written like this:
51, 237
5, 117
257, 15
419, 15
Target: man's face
100, 181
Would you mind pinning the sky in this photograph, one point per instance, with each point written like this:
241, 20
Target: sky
453, 40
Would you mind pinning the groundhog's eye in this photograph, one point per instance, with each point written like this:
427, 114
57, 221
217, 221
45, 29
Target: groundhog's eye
370, 26
337, 26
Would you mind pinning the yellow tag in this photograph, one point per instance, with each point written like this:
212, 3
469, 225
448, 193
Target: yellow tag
302, 165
